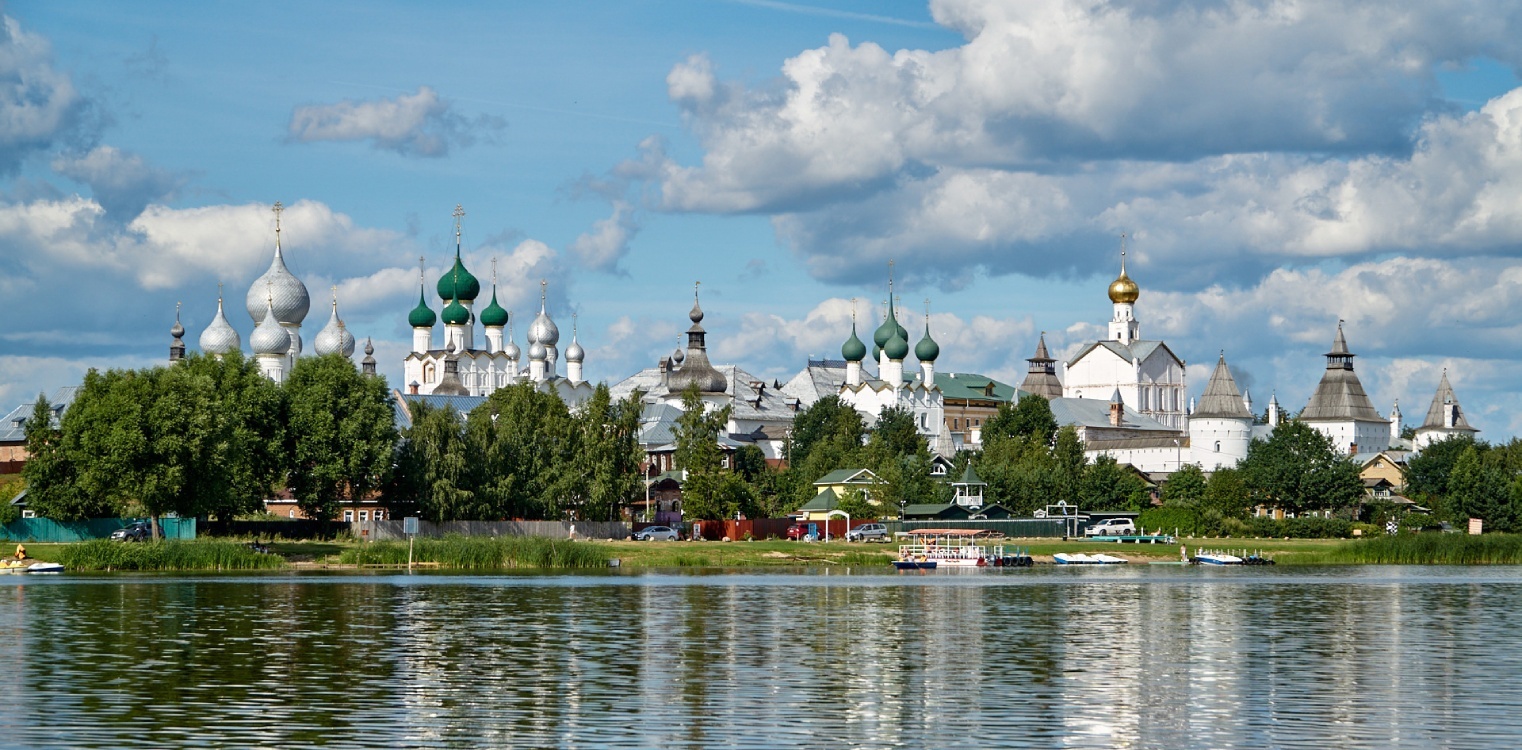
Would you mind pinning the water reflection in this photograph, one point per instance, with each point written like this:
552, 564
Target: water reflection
1149, 657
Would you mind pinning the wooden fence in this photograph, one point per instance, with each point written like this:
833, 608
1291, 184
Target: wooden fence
381, 530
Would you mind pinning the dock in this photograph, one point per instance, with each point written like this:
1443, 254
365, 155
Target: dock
1135, 539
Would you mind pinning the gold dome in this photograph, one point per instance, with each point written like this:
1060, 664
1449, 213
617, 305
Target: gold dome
1124, 289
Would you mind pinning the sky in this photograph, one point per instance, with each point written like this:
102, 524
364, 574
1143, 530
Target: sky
1276, 167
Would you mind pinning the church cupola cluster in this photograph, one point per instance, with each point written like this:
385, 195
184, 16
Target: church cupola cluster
280, 293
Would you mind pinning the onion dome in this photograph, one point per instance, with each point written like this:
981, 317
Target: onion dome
854, 350
330, 340
677, 356
897, 347
458, 283
536, 352
455, 314
278, 289
927, 350
421, 316
346, 340
268, 336
369, 351
219, 337
574, 352
493, 316
697, 370
1123, 290
177, 330
511, 349
543, 330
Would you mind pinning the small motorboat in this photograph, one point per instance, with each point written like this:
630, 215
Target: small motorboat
1217, 558
1103, 559
22, 566
914, 564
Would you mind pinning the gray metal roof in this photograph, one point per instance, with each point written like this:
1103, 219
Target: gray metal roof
819, 379
13, 429
754, 399
1340, 397
1092, 412
461, 404
1138, 350
1221, 399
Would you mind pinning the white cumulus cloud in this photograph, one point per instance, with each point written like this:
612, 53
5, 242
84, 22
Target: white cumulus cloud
417, 124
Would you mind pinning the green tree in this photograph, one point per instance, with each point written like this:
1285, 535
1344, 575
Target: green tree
432, 474
750, 463
601, 472
51, 477
341, 434
1107, 485
828, 420
1185, 488
1298, 469
1427, 472
520, 439
707, 494
1031, 418
1478, 488
240, 458
1226, 494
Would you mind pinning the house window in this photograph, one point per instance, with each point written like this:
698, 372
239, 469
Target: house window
348, 516
955, 425
380, 515
364, 515
292, 514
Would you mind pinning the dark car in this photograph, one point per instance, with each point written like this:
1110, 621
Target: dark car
137, 531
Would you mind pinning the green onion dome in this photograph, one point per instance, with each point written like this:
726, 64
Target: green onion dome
884, 332
457, 283
927, 350
897, 347
421, 316
455, 314
494, 316
853, 350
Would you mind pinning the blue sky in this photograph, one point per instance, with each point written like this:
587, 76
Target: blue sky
1279, 167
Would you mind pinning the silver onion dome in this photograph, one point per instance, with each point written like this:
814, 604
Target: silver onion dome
347, 342
220, 337
543, 330
536, 352
268, 336
330, 339
280, 288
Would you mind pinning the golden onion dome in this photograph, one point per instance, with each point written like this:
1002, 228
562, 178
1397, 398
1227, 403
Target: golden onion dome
1123, 289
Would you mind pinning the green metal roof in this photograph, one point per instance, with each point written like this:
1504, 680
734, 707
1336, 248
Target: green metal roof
970, 385
970, 477
847, 476
825, 500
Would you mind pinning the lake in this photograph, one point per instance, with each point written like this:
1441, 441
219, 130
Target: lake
1143, 656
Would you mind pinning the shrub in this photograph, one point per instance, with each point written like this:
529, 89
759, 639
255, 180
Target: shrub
104, 554
484, 553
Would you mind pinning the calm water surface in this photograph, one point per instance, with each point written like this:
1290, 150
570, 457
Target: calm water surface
1145, 657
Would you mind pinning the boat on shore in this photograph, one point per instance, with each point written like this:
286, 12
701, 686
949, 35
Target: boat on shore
1220, 557
928, 549
22, 566
1079, 558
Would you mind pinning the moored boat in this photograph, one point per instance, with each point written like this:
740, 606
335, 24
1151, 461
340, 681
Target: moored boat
1079, 558
948, 548
1215, 557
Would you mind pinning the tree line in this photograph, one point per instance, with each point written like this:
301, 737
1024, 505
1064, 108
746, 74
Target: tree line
210, 436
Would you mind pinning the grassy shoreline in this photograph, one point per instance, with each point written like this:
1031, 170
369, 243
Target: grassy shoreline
522, 553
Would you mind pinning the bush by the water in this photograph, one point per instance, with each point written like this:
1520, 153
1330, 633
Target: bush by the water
104, 554
1425, 549
1191, 523
484, 553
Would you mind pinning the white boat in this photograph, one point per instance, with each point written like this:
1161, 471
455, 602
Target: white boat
1079, 558
947, 548
25, 567
1217, 558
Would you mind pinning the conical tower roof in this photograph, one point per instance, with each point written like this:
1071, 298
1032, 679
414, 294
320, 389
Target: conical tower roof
1444, 399
1221, 399
1041, 378
1340, 395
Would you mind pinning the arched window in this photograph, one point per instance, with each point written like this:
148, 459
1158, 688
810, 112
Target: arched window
1217, 446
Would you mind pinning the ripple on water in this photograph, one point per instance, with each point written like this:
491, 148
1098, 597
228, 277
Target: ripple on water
1149, 658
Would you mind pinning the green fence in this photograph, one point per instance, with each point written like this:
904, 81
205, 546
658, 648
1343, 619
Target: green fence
48, 530
1010, 527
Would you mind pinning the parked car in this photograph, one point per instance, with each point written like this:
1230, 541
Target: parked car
868, 532
137, 531
803, 532
1112, 527
650, 533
